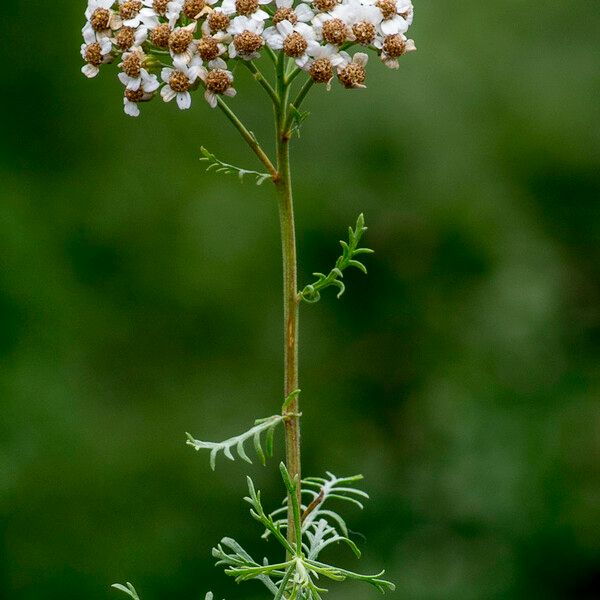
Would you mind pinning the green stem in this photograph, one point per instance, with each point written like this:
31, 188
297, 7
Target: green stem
261, 79
248, 137
283, 185
291, 76
297, 103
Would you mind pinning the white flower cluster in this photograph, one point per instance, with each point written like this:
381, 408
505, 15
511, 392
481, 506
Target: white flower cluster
179, 45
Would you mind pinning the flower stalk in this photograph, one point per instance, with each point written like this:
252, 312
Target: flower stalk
201, 41
290, 308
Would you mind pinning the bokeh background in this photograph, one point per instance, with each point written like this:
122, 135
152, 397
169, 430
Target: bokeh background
139, 299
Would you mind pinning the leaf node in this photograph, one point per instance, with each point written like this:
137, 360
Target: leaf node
214, 164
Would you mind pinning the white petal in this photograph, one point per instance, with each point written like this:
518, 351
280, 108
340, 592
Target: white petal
211, 98
90, 70
304, 13
184, 100
389, 27
151, 85
228, 7
167, 93
360, 58
131, 108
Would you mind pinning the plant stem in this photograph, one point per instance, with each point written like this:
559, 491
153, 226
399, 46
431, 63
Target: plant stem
290, 294
248, 137
299, 99
261, 80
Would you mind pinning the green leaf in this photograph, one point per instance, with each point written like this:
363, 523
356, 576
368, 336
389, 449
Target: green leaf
312, 292
226, 169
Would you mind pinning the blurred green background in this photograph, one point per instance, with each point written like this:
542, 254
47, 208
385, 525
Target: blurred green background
139, 299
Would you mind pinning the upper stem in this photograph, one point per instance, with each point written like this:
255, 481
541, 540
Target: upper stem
248, 137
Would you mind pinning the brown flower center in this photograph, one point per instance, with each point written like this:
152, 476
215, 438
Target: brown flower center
100, 19
387, 7
394, 45
135, 95
93, 54
294, 45
353, 75
193, 8
364, 32
208, 48
130, 8
335, 31
218, 21
132, 65
217, 81
160, 6
321, 70
125, 38
161, 35
246, 7
324, 5
179, 82
285, 14
247, 42
179, 40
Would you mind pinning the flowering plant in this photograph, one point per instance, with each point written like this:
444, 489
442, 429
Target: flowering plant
172, 48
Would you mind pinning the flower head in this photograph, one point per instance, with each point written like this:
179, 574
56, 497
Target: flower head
180, 80
95, 51
178, 45
217, 81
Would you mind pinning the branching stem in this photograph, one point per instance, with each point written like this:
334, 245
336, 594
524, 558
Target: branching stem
262, 80
298, 101
248, 137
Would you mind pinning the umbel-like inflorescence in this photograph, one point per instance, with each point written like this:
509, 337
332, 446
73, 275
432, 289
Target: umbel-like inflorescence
174, 47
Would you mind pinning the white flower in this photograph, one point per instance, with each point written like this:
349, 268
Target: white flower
397, 15
217, 81
100, 16
393, 47
363, 19
351, 70
330, 52
247, 38
332, 27
246, 8
180, 80
297, 41
302, 11
127, 38
134, 76
95, 51
182, 44
132, 98
146, 17
322, 61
